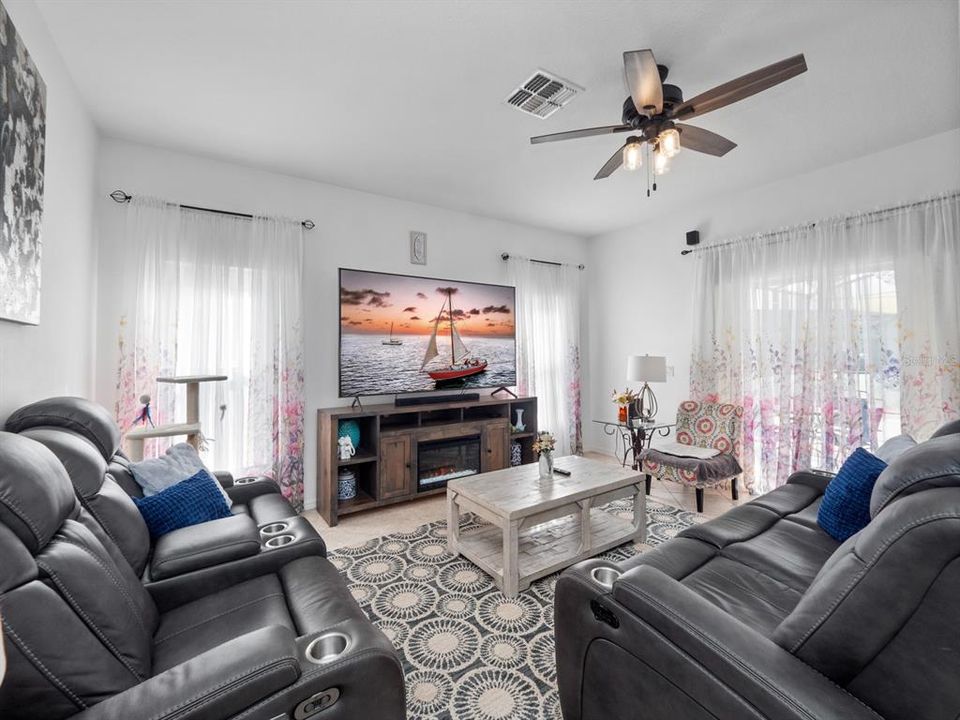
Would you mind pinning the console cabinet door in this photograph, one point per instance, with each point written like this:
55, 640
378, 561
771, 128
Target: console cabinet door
496, 447
396, 467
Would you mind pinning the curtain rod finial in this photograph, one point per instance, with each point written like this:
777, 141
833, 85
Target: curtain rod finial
120, 196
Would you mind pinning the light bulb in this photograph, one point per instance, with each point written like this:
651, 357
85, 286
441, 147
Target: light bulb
632, 156
670, 142
660, 162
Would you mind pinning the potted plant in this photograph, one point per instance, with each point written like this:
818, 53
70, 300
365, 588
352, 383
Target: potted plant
623, 400
543, 446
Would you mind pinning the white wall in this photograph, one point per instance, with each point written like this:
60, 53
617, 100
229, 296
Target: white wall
354, 229
641, 287
56, 357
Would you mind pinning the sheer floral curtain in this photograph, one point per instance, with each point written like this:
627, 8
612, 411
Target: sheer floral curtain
832, 335
209, 293
548, 346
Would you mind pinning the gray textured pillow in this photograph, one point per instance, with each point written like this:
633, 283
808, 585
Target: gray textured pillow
179, 463
894, 447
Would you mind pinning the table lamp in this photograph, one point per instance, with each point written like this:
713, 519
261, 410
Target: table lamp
647, 369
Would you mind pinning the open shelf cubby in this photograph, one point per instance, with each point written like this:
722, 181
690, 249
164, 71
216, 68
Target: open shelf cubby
366, 473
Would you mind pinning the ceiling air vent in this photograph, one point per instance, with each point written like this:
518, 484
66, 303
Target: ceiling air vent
543, 94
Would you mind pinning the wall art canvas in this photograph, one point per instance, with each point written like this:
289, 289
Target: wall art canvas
23, 120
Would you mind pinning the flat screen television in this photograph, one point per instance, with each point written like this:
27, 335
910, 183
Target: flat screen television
404, 334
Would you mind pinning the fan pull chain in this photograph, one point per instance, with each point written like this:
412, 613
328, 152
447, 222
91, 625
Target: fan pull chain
646, 149
653, 170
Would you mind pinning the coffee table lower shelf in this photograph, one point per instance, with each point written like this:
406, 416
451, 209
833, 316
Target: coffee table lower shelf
545, 548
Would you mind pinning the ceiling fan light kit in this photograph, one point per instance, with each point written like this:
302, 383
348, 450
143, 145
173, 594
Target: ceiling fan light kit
654, 108
633, 154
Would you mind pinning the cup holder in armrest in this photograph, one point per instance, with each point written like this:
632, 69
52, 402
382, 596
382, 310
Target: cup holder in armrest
327, 647
279, 541
274, 528
244, 480
605, 576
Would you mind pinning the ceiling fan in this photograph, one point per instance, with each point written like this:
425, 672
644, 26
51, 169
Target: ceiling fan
654, 111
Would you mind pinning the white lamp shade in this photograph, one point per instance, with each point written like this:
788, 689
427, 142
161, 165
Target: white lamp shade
647, 368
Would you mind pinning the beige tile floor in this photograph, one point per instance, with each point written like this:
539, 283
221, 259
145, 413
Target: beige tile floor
358, 528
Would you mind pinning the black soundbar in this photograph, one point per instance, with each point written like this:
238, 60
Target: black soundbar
407, 401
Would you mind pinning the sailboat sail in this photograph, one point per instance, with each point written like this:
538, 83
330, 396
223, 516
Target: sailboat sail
432, 351
460, 351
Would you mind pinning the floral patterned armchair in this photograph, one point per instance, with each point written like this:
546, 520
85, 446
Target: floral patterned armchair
705, 425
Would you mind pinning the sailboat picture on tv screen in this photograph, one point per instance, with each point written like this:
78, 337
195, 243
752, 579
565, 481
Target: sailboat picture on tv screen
401, 333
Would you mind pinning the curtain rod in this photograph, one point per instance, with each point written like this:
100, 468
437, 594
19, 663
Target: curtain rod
120, 196
506, 256
873, 215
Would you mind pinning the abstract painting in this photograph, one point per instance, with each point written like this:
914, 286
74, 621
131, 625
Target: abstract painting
23, 121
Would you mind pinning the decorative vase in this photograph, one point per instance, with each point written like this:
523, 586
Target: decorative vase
546, 466
350, 429
516, 454
346, 485
622, 413
519, 423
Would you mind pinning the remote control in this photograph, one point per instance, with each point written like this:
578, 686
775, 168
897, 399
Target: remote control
561, 471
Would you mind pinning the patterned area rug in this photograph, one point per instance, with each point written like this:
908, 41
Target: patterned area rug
469, 652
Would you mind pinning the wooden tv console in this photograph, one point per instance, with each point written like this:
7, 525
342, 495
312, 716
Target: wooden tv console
386, 460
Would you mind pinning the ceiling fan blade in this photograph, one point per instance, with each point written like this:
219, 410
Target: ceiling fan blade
643, 81
585, 132
615, 161
742, 87
694, 138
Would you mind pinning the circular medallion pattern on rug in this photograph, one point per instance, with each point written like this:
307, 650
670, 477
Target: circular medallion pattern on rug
468, 651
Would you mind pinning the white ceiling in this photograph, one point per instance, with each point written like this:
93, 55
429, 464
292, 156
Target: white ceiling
405, 98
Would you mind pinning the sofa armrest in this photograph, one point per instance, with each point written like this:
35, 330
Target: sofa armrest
214, 685
817, 479
752, 666
224, 477
244, 489
366, 677
204, 545
176, 590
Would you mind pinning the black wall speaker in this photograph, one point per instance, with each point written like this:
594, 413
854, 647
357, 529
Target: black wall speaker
693, 237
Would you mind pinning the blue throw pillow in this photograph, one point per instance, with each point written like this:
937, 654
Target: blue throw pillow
845, 509
194, 500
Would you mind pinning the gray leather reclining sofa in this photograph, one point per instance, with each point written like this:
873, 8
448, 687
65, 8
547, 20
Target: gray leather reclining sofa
760, 614
212, 621
184, 564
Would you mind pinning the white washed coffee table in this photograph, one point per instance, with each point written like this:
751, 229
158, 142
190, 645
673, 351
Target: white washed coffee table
539, 527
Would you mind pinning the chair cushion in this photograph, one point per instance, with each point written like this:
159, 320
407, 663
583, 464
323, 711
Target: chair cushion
690, 471
747, 591
894, 447
195, 500
807, 516
845, 509
736, 525
932, 464
35, 493
754, 598
92, 421
787, 499
788, 552
949, 428
196, 627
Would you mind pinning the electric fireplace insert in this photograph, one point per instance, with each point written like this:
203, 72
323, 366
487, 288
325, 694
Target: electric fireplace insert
443, 460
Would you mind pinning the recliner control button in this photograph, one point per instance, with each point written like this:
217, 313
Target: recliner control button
315, 703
